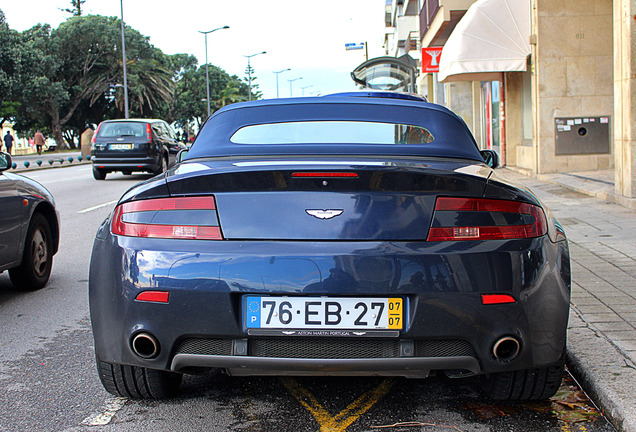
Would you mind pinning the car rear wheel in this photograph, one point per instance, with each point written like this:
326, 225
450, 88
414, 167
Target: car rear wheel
34, 271
135, 382
164, 166
529, 384
99, 174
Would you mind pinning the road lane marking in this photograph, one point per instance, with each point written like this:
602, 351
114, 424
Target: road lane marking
344, 418
86, 210
43, 178
111, 407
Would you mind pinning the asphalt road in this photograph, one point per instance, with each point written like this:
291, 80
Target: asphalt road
48, 380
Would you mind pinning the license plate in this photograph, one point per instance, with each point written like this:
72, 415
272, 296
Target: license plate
323, 313
121, 146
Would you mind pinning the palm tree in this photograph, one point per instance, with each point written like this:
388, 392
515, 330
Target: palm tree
149, 84
228, 95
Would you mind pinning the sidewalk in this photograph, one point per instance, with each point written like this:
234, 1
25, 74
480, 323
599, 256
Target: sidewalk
599, 184
601, 350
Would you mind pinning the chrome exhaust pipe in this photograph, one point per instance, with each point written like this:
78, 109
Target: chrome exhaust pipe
145, 345
506, 349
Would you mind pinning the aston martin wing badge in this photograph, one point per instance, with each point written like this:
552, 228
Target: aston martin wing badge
324, 214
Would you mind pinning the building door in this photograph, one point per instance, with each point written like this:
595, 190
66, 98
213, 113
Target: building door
491, 115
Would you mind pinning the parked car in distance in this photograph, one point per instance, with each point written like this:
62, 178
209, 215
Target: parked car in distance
133, 145
29, 224
335, 235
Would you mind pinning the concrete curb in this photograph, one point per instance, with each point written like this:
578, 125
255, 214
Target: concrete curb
20, 170
603, 371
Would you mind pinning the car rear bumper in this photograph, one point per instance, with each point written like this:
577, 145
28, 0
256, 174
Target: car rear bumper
202, 324
413, 367
126, 164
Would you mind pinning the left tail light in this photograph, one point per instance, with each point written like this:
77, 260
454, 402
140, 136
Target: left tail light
485, 219
95, 134
189, 218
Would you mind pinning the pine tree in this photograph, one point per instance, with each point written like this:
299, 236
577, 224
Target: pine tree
76, 7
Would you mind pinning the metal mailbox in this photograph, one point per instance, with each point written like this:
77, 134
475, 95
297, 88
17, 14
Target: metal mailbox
582, 135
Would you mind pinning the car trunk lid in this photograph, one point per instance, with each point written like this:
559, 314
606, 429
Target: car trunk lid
327, 200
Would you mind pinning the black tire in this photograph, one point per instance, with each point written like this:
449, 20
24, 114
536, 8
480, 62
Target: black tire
135, 382
99, 174
163, 167
523, 385
37, 259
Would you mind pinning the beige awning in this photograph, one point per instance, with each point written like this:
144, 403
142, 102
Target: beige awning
492, 37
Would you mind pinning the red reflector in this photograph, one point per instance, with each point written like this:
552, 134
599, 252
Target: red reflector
488, 299
168, 231
325, 174
153, 296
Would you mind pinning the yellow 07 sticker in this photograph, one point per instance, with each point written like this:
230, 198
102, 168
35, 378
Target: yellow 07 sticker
395, 314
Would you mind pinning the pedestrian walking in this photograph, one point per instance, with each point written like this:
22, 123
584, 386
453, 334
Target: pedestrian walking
38, 140
8, 141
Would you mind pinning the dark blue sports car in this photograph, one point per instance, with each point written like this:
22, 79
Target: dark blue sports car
336, 235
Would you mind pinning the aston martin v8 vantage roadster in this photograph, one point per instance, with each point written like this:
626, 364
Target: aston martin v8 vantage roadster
334, 235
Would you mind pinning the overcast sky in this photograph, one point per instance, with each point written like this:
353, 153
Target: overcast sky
307, 36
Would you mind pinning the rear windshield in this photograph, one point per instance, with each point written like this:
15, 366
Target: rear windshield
332, 132
116, 129
334, 126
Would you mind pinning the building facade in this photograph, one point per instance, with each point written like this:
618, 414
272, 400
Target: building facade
557, 97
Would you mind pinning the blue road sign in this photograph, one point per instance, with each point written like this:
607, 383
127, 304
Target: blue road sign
354, 46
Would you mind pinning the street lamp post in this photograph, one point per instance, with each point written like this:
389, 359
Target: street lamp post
123, 50
306, 87
277, 72
290, 85
249, 72
207, 73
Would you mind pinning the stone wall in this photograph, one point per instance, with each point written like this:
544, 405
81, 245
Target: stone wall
573, 70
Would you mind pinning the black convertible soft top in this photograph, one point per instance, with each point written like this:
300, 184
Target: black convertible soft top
452, 138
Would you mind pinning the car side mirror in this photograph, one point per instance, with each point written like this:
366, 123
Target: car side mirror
5, 161
490, 157
181, 155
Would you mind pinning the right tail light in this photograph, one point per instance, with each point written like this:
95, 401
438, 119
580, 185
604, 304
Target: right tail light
485, 219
